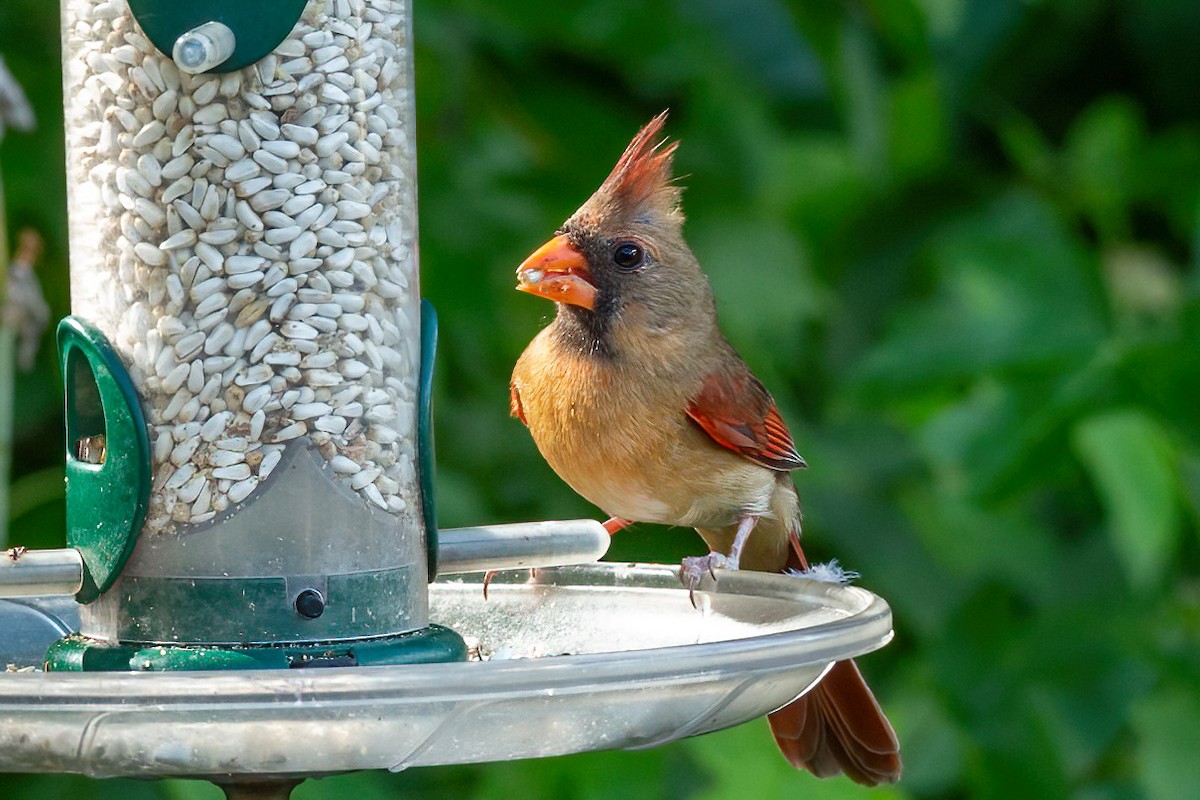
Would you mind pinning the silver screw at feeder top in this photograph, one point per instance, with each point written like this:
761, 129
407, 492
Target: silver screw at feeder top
204, 47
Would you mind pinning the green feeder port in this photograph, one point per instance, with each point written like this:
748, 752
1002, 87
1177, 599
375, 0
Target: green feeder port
108, 456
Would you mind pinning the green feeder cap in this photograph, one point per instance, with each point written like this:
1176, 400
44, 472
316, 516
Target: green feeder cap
108, 456
216, 35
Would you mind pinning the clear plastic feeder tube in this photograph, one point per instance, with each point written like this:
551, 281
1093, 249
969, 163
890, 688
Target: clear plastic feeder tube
247, 242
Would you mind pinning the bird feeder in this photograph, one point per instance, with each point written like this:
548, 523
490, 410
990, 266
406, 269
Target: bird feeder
249, 458
248, 357
248, 363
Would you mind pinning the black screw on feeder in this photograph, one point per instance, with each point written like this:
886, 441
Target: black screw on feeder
310, 604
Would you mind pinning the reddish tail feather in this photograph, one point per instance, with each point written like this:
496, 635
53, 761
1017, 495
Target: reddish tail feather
838, 726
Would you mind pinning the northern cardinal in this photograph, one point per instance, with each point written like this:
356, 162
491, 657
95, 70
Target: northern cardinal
639, 403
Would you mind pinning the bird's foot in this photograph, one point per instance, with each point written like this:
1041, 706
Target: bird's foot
492, 573
692, 570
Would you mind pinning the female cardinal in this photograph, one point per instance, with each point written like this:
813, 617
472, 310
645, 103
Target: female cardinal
638, 402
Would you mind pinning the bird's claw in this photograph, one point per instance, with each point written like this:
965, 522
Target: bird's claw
692, 570
487, 581
492, 573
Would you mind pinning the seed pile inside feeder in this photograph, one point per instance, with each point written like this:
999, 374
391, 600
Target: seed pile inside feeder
246, 241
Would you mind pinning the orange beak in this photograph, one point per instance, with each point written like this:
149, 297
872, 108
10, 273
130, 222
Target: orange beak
558, 272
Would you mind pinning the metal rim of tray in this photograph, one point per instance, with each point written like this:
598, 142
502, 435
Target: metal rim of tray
863, 624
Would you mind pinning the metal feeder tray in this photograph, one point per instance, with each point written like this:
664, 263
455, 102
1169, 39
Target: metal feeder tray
575, 659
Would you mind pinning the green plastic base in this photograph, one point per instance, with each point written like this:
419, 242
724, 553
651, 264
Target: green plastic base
430, 645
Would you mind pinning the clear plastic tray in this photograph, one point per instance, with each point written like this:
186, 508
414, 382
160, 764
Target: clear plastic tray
582, 658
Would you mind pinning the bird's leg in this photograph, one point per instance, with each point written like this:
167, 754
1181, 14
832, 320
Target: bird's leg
745, 526
694, 567
797, 550
614, 524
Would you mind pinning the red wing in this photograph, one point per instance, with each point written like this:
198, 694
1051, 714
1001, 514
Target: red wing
514, 404
738, 413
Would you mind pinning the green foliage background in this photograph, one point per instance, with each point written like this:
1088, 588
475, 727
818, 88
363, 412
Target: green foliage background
956, 238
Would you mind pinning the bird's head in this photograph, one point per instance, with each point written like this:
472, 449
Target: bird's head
620, 261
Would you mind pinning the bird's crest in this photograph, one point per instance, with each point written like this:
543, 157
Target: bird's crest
642, 178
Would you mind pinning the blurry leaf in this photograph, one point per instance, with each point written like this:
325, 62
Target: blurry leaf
1100, 154
744, 762
1168, 728
1189, 470
762, 36
934, 747
969, 33
1156, 372
1167, 182
458, 501
43, 525
1021, 762
423, 783
851, 514
1086, 708
971, 442
875, 262
766, 292
760, 276
1027, 147
1013, 289
863, 96
60, 787
814, 179
902, 25
189, 790
984, 661
1142, 283
1002, 438
920, 138
1162, 45
976, 545
942, 16
38, 401
605, 775
1132, 461
35, 489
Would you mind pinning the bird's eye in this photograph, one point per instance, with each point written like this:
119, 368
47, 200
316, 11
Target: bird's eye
628, 255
